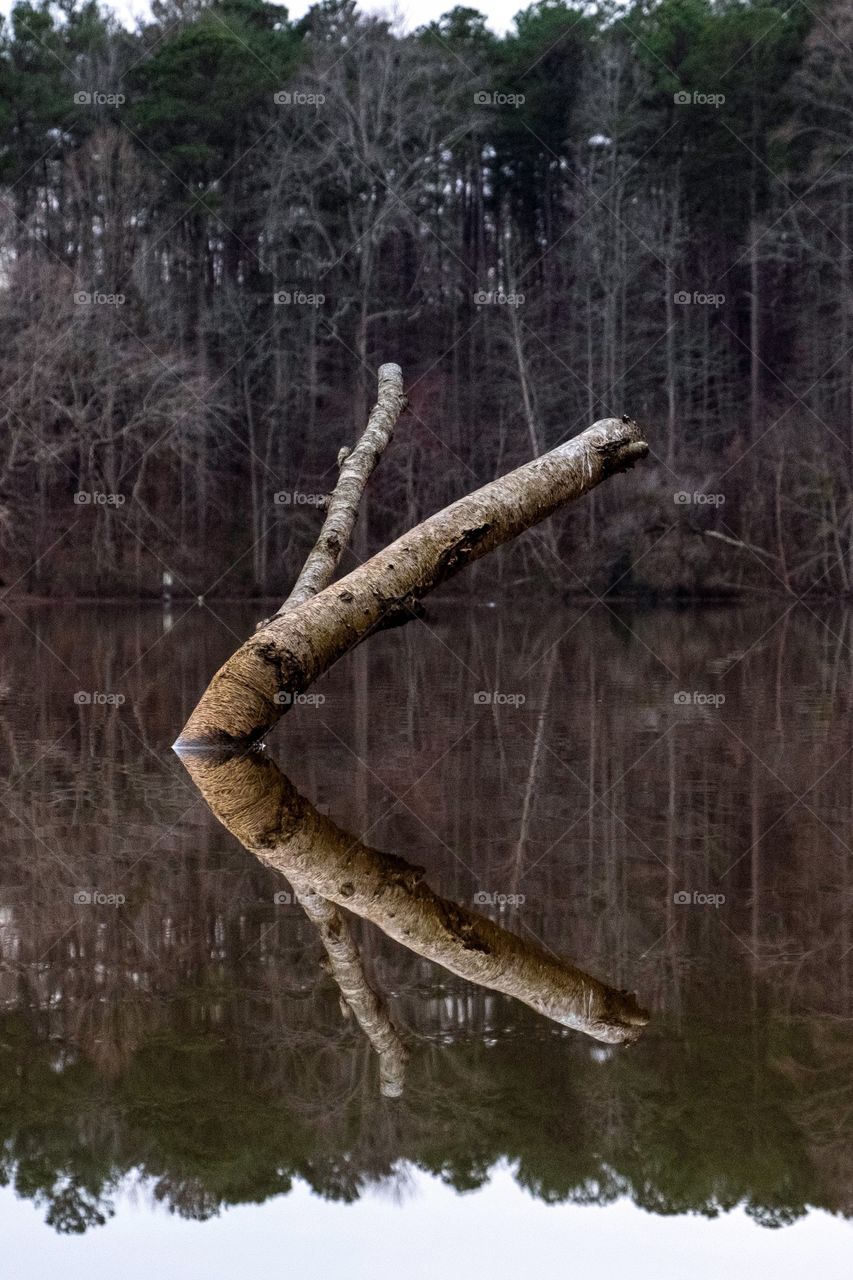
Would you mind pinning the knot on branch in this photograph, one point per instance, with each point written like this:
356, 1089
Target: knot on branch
399, 611
460, 553
621, 454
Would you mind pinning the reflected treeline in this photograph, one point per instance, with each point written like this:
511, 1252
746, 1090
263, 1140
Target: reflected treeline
188, 1034
208, 1118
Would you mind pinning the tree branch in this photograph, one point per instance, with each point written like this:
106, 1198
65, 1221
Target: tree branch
259, 682
342, 511
345, 966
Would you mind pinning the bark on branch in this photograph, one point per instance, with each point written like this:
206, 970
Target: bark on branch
252, 798
356, 469
344, 965
259, 683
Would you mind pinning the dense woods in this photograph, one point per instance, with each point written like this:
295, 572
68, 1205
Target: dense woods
216, 227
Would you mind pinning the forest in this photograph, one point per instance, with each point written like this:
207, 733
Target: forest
216, 227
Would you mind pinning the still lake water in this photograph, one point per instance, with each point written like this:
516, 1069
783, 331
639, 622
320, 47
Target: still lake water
662, 797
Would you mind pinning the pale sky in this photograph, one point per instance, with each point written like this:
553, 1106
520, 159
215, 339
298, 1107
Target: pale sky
499, 1230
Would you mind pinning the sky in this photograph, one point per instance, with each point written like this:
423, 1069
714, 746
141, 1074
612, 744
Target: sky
499, 1230
413, 12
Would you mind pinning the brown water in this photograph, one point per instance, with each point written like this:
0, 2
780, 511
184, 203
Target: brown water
165, 1022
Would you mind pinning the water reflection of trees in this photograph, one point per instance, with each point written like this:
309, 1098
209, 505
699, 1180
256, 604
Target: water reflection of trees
191, 1035
696, 1124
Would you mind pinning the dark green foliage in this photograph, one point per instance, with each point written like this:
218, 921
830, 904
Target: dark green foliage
745, 53
206, 91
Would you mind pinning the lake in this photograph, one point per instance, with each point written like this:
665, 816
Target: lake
190, 1079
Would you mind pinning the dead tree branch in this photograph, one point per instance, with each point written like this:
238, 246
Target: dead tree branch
259, 682
356, 469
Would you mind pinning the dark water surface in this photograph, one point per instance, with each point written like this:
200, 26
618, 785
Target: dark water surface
662, 797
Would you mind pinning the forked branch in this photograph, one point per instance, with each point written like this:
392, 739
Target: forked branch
260, 681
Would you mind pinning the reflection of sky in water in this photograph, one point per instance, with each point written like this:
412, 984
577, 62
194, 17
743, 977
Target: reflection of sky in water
499, 1231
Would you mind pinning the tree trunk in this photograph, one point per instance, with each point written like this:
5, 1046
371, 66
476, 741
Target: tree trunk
260, 682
